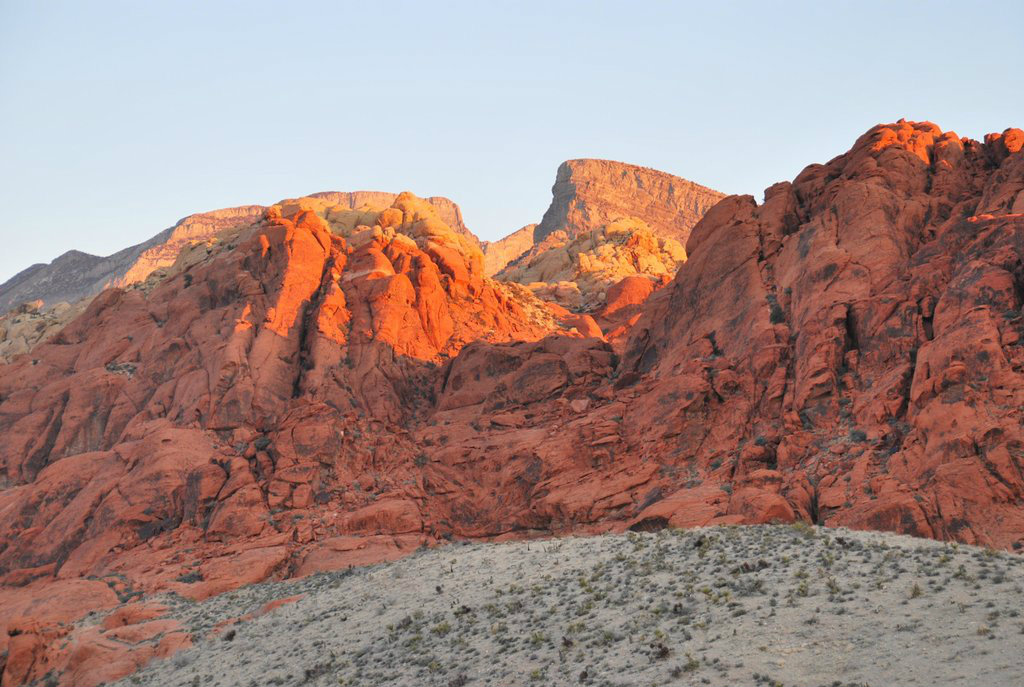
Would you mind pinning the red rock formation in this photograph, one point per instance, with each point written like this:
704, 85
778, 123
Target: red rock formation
273, 379
76, 275
624, 305
123, 642
849, 352
315, 394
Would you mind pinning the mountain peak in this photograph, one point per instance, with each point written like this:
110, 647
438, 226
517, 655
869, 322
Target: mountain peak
590, 193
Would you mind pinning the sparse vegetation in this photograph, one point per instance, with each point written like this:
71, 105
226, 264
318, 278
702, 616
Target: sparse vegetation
710, 607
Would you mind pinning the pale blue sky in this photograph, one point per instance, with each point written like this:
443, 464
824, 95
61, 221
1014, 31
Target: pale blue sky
119, 118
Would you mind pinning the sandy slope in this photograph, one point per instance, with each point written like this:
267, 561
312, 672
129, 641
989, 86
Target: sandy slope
720, 606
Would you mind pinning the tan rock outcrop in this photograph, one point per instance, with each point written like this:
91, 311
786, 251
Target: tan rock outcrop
498, 254
590, 194
76, 275
607, 221
27, 325
577, 272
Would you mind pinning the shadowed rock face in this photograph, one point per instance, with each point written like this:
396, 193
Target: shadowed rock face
334, 386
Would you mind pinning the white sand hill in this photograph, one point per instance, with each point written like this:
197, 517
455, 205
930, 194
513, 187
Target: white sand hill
771, 605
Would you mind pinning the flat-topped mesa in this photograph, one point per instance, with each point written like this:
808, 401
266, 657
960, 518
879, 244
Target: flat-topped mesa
589, 194
607, 221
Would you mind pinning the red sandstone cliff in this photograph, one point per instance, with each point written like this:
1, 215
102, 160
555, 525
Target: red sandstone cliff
850, 351
318, 392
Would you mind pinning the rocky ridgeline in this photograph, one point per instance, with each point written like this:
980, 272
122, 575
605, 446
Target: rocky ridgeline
573, 272
329, 386
76, 275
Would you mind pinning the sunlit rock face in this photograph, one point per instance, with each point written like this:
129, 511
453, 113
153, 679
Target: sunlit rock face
590, 194
328, 385
576, 273
277, 371
607, 221
76, 275
38, 301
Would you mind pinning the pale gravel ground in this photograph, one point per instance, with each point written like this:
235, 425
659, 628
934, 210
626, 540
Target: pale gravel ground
813, 607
